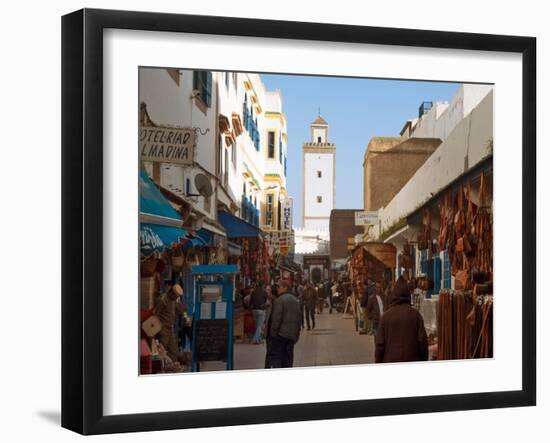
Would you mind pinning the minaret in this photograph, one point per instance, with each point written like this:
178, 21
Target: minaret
318, 178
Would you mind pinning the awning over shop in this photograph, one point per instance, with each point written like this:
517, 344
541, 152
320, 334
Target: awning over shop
154, 237
206, 236
160, 223
236, 227
152, 204
192, 240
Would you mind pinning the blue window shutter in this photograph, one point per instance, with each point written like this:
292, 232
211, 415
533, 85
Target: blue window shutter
196, 80
437, 275
446, 270
413, 264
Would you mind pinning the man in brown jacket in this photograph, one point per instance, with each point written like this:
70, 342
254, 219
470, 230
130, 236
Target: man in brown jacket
401, 335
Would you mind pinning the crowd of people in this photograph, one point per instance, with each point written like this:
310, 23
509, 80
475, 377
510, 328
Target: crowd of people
280, 311
277, 313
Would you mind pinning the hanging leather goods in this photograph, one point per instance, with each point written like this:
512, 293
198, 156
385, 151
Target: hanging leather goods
460, 245
482, 190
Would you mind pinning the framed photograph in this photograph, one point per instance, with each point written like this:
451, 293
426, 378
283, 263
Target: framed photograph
270, 221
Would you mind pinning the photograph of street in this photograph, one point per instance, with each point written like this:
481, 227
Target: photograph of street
293, 220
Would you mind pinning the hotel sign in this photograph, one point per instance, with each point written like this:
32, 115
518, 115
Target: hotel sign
167, 145
365, 218
286, 207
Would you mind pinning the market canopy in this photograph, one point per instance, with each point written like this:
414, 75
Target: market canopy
160, 225
236, 227
153, 237
153, 203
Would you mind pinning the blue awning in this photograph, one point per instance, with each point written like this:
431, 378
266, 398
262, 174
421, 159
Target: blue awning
192, 240
151, 200
236, 227
206, 236
154, 237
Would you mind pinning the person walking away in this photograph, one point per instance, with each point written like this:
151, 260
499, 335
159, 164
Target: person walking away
320, 298
310, 302
387, 293
300, 294
285, 326
249, 324
327, 287
168, 306
334, 293
375, 309
267, 326
401, 335
367, 292
258, 304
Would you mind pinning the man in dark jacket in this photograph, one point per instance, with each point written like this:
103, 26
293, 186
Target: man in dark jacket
401, 334
285, 326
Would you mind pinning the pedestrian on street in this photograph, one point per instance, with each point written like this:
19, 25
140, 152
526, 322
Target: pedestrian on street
310, 302
285, 326
328, 294
375, 309
401, 335
320, 298
387, 293
367, 292
168, 306
267, 326
300, 294
258, 302
334, 294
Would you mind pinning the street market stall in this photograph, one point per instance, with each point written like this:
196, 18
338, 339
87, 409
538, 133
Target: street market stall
456, 249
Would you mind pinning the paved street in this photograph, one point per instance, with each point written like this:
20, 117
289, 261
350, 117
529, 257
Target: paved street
334, 341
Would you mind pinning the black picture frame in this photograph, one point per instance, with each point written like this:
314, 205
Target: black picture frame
82, 218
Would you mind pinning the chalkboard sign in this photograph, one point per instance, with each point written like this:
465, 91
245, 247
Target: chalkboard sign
211, 340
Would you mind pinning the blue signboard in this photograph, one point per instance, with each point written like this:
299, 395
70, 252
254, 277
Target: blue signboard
213, 323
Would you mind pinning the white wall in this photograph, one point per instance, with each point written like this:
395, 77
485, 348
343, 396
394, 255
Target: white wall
443, 117
31, 400
171, 104
469, 139
315, 186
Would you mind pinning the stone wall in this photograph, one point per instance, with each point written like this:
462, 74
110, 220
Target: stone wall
388, 165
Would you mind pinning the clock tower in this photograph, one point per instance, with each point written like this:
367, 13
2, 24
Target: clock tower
318, 178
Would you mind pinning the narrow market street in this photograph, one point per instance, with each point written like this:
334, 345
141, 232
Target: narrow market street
237, 242
334, 341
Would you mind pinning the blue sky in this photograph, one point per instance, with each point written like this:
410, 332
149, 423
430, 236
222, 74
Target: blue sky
356, 110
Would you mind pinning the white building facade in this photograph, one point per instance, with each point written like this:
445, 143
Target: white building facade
241, 142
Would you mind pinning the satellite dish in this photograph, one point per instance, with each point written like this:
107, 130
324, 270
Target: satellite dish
203, 185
